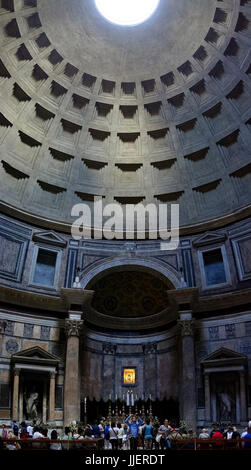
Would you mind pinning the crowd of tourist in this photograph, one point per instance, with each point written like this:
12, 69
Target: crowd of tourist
132, 434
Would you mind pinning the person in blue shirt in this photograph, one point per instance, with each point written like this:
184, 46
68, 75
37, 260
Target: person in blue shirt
247, 436
96, 430
147, 434
133, 422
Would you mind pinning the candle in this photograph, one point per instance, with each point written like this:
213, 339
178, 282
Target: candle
132, 399
110, 396
116, 397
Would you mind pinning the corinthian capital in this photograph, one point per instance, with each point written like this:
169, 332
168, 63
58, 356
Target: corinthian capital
73, 327
187, 327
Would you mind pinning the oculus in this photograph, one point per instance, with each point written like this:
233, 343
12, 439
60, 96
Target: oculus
126, 12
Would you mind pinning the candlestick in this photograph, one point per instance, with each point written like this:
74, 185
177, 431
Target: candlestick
136, 407
123, 410
110, 411
85, 410
143, 411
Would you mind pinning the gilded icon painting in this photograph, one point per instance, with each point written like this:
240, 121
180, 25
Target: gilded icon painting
129, 376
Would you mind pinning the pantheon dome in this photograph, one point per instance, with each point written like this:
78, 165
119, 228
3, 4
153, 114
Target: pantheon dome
155, 113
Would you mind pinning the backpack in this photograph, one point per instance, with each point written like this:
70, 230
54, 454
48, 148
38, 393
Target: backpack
15, 429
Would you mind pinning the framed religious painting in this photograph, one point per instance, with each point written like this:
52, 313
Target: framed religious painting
129, 376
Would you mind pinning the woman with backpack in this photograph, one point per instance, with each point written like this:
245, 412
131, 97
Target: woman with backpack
113, 431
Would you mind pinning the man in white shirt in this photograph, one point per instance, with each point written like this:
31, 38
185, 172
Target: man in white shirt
30, 430
243, 434
37, 434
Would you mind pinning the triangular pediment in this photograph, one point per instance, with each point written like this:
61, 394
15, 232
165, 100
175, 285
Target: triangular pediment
224, 354
50, 238
209, 238
35, 355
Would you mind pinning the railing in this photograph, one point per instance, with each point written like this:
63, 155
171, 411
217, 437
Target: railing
210, 444
49, 444
98, 444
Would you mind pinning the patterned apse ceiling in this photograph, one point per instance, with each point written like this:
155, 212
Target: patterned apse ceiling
130, 294
155, 113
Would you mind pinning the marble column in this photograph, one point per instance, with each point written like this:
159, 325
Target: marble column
243, 398
207, 398
21, 399
238, 400
71, 383
188, 409
15, 395
44, 412
52, 397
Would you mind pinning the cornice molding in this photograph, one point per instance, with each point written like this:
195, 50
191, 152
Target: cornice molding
213, 304
61, 226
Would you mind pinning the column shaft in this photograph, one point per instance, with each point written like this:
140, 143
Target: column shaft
21, 400
207, 398
71, 385
243, 398
188, 388
45, 402
15, 396
52, 398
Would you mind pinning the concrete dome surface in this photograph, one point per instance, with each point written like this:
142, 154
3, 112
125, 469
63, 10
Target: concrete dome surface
155, 113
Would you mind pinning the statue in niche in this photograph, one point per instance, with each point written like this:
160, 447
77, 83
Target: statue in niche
31, 402
226, 403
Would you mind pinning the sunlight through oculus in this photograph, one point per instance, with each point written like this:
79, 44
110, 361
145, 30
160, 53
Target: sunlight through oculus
127, 12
